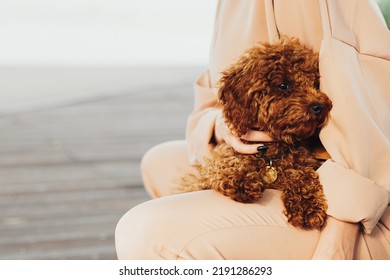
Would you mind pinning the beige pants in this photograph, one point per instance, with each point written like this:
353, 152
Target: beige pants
207, 225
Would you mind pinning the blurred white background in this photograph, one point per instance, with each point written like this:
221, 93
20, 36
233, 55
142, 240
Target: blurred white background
105, 32
43, 40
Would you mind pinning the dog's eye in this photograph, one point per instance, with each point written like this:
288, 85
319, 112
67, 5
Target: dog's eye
284, 86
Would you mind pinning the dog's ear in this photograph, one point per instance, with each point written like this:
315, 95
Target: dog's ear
236, 95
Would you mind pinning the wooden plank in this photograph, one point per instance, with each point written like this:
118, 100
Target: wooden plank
89, 249
67, 174
48, 199
25, 214
69, 185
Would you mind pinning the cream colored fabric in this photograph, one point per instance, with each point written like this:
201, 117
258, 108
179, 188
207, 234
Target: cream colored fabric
354, 47
207, 225
354, 57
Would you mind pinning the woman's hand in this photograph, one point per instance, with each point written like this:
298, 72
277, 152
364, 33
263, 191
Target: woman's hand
222, 133
337, 241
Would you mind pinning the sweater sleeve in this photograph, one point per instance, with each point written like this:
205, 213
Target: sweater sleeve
354, 59
352, 197
201, 122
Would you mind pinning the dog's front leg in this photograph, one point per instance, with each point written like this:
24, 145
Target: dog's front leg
304, 200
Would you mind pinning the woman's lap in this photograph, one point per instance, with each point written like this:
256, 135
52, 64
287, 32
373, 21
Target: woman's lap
207, 225
203, 225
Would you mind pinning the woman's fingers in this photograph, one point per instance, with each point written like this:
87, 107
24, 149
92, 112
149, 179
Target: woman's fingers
255, 135
241, 147
251, 136
222, 133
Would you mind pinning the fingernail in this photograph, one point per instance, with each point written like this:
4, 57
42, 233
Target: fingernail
262, 148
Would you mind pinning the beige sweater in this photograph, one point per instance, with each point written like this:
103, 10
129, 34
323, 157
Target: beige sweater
354, 46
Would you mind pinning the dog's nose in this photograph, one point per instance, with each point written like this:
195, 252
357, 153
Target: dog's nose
317, 108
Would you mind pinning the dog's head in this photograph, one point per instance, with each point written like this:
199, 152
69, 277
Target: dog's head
275, 88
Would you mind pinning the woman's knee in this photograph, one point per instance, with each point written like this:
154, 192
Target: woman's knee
162, 165
137, 234
148, 165
152, 230
162, 228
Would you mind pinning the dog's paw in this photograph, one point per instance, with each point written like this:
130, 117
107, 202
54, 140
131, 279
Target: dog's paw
306, 219
297, 221
315, 219
240, 194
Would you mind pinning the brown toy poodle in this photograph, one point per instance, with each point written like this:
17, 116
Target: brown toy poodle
272, 88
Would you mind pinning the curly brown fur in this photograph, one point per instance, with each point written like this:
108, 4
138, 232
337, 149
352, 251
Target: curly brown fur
273, 88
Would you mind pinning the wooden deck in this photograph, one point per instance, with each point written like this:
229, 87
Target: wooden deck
67, 174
